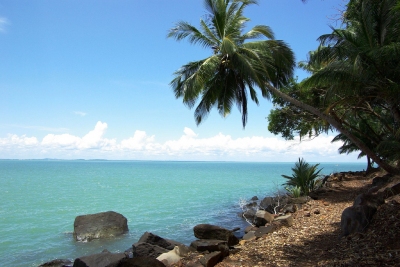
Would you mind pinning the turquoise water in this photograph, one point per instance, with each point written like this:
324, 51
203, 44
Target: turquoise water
39, 200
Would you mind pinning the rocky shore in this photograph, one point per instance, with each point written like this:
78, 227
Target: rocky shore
284, 231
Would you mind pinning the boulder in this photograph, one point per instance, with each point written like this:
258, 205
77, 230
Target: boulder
210, 245
250, 228
208, 231
286, 220
153, 239
264, 230
99, 225
147, 250
140, 262
292, 208
103, 259
57, 263
357, 218
262, 217
212, 259
254, 198
381, 180
250, 236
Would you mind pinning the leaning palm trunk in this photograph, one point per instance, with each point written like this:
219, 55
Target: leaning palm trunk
332, 121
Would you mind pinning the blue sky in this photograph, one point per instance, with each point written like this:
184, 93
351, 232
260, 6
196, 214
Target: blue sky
90, 79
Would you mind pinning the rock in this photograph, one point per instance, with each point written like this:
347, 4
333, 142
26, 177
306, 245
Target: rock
57, 263
262, 217
145, 249
249, 236
254, 198
379, 181
103, 259
170, 257
263, 230
140, 262
250, 228
212, 259
251, 205
266, 202
286, 220
392, 191
210, 245
357, 218
314, 195
249, 214
153, 239
317, 211
99, 225
208, 231
292, 208
368, 199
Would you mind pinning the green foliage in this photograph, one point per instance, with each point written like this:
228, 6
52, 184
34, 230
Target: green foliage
294, 191
304, 176
240, 62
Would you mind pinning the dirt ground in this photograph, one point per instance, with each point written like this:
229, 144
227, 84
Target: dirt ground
315, 237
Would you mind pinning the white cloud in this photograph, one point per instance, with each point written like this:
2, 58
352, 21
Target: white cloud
3, 23
190, 146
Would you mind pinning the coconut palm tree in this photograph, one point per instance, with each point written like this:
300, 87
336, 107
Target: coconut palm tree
239, 62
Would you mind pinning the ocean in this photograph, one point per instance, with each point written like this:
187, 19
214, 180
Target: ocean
39, 200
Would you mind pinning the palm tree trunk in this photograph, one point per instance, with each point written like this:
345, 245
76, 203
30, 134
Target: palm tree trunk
384, 165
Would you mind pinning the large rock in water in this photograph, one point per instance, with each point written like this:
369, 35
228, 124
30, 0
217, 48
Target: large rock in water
99, 225
208, 231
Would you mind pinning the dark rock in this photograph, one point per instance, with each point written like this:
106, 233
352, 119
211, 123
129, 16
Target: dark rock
391, 191
262, 217
103, 259
250, 236
250, 228
210, 245
379, 181
254, 198
251, 205
286, 220
292, 208
140, 262
99, 225
267, 201
263, 230
57, 263
153, 239
212, 259
356, 219
249, 214
145, 249
208, 231
368, 199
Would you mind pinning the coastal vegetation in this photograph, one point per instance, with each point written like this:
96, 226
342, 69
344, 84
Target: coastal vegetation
353, 88
303, 179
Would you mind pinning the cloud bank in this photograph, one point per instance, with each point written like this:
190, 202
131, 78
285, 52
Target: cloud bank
189, 146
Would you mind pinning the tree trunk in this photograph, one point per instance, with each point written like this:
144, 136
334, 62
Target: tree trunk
384, 165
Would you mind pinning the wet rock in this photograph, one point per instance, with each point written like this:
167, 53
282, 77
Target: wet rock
208, 231
103, 259
99, 225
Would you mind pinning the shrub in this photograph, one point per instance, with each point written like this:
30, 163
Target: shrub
304, 177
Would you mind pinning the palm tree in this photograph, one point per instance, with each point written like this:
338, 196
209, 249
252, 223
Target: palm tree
238, 66
239, 63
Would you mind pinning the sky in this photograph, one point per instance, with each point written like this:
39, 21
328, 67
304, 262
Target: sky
90, 80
